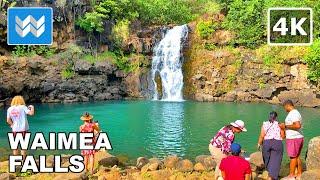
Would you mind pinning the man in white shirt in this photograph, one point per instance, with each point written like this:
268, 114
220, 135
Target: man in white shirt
294, 138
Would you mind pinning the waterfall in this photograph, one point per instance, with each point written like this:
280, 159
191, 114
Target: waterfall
167, 63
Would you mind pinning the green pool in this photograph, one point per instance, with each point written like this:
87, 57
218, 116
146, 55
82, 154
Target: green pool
156, 128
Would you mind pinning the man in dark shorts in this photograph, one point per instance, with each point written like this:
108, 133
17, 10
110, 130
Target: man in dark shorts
294, 139
235, 167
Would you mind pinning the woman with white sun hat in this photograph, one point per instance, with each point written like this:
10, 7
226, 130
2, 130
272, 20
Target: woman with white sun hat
220, 144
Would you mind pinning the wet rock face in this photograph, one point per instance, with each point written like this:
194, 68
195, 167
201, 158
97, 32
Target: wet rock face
40, 80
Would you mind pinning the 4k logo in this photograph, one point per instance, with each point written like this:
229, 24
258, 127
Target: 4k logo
290, 26
29, 26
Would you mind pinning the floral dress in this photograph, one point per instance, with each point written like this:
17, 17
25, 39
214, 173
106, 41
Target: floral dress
223, 139
88, 128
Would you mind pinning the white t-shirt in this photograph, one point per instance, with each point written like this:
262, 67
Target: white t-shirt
18, 115
293, 116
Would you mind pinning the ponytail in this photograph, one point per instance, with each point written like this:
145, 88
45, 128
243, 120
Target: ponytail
273, 116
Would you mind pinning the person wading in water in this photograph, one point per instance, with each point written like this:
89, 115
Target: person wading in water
220, 144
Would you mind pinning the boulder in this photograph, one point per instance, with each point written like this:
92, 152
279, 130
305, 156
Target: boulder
153, 166
70, 176
311, 175
171, 161
157, 161
142, 161
264, 92
313, 155
150, 167
264, 175
257, 159
82, 67
109, 161
50, 161
206, 161
184, 165
301, 97
99, 156
4, 166
199, 167
203, 97
161, 174
7, 176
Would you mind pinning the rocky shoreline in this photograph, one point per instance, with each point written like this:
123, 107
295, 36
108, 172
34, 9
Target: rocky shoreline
109, 167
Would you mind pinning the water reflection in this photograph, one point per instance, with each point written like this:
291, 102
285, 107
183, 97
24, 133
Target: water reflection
166, 129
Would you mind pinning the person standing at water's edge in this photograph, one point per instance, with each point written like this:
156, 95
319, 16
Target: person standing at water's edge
89, 127
235, 167
270, 139
220, 145
17, 119
294, 138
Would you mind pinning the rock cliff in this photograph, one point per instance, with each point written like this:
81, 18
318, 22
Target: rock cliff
216, 71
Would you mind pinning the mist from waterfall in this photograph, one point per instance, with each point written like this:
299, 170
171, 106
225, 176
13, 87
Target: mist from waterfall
167, 64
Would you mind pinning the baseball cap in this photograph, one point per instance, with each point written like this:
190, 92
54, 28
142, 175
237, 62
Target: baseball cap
235, 148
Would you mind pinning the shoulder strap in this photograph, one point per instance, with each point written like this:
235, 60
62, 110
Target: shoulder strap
270, 127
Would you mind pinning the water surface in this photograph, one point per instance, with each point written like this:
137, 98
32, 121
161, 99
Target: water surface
157, 128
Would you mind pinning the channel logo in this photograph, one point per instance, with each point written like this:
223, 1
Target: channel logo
29, 26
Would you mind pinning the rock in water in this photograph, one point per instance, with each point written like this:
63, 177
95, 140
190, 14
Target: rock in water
171, 161
142, 161
109, 161
257, 159
313, 156
184, 165
311, 175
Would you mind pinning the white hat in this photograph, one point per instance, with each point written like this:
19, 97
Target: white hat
239, 124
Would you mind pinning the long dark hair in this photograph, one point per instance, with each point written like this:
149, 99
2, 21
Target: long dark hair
273, 116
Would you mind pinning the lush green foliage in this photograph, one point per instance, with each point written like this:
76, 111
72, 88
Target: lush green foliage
99, 57
92, 21
272, 55
245, 19
248, 19
147, 11
164, 11
120, 33
68, 57
206, 28
44, 51
113, 10
312, 59
67, 73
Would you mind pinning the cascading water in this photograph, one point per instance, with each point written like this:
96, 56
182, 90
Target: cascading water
167, 63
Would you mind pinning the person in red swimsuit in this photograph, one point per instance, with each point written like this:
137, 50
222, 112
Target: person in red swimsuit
88, 126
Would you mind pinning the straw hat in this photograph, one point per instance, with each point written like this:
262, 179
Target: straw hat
86, 117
